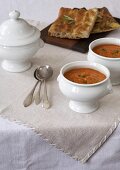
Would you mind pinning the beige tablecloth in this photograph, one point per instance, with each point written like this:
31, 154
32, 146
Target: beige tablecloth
78, 135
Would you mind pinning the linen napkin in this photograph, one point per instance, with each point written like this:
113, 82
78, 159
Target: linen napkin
78, 135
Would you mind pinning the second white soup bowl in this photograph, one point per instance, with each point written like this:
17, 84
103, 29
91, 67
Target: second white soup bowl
84, 98
113, 64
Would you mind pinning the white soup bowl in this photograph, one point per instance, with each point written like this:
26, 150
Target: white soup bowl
113, 64
84, 98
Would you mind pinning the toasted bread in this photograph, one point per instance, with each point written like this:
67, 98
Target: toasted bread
73, 23
105, 21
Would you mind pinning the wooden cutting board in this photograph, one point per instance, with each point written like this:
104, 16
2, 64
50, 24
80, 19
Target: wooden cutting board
80, 45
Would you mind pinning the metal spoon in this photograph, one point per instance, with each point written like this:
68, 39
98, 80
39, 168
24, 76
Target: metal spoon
37, 95
45, 72
28, 100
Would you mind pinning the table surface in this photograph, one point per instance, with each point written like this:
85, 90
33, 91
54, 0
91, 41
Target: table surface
20, 147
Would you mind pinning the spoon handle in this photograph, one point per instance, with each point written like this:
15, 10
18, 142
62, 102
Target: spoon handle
37, 95
45, 101
28, 99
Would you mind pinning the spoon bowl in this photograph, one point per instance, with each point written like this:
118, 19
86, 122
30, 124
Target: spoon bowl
44, 72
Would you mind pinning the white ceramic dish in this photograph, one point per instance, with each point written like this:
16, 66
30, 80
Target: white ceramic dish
19, 41
113, 64
84, 98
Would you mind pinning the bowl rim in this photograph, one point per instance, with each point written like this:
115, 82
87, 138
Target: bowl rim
100, 56
89, 64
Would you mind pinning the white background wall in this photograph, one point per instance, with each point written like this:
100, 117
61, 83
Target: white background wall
46, 10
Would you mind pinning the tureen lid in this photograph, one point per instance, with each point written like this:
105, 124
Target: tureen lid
16, 31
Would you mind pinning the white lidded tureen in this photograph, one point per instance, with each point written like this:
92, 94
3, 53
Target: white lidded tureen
19, 41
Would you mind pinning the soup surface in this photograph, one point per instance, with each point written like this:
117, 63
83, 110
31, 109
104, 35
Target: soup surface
84, 75
108, 50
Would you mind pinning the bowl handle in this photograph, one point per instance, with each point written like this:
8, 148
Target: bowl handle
109, 88
58, 78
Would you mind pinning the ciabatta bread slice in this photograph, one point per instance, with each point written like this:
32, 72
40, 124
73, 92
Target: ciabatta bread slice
105, 21
73, 23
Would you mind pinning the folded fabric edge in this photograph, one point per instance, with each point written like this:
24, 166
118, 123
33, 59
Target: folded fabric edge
103, 140
86, 157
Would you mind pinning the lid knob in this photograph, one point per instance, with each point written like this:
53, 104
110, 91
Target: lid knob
14, 14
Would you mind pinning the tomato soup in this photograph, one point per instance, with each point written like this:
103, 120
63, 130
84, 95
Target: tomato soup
84, 75
108, 50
